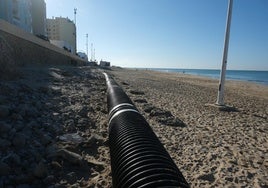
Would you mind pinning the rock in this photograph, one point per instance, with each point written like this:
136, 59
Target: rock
3, 100
71, 177
49, 179
207, 177
38, 104
82, 122
23, 179
24, 88
72, 138
19, 126
98, 138
70, 128
51, 149
12, 158
27, 131
72, 157
83, 112
94, 162
45, 139
40, 170
4, 169
4, 144
56, 165
70, 125
90, 142
19, 140
35, 154
23, 186
54, 129
12, 133
1, 182
4, 127
44, 89
21, 109
6, 89
33, 124
230, 179
16, 116
32, 112
250, 175
55, 75
4, 111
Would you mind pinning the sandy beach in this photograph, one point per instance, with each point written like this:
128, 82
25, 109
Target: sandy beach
54, 128
215, 148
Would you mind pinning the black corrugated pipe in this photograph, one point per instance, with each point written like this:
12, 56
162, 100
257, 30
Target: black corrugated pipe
138, 159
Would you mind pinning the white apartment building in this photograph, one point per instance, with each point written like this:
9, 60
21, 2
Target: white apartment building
62, 33
38, 10
29, 15
17, 12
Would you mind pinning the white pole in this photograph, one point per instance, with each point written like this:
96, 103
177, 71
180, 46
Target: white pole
91, 58
75, 9
220, 98
94, 55
87, 44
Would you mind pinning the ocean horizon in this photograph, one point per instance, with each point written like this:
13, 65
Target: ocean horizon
255, 76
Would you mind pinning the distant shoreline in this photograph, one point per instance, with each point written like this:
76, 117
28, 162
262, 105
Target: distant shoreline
252, 76
249, 88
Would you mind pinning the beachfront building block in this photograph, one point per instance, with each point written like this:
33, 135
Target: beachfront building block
62, 33
29, 15
38, 10
17, 12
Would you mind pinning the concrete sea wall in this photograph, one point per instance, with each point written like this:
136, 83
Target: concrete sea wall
18, 47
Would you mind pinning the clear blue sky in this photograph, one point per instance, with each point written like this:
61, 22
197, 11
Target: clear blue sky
170, 33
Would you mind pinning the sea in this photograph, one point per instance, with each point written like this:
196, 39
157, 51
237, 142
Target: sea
259, 77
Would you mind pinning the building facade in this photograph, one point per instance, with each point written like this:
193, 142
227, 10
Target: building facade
83, 55
17, 12
62, 31
105, 63
29, 15
38, 11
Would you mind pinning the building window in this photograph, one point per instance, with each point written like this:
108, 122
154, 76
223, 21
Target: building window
15, 9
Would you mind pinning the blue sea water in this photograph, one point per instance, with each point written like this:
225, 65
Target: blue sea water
260, 77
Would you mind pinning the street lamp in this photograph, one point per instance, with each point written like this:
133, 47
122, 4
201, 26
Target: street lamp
220, 98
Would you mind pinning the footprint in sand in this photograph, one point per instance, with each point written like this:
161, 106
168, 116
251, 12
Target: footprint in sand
125, 83
140, 100
163, 116
136, 92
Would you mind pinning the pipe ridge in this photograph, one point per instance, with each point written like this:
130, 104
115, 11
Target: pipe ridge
120, 105
138, 158
122, 111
